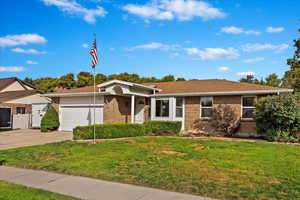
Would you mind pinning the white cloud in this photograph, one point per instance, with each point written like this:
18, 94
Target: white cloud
11, 69
182, 10
74, 8
213, 53
30, 62
262, 47
245, 73
253, 60
27, 51
223, 69
21, 39
153, 46
85, 45
173, 55
236, 31
274, 29
112, 49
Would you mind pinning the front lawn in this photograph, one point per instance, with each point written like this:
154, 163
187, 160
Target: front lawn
9, 191
207, 167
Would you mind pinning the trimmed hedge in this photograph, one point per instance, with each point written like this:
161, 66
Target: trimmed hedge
105, 131
162, 127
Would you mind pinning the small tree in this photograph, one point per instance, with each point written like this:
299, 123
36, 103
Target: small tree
278, 117
225, 119
50, 121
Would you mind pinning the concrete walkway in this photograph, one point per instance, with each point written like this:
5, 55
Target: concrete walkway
87, 188
29, 137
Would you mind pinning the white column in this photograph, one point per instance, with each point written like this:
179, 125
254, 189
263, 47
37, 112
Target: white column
132, 108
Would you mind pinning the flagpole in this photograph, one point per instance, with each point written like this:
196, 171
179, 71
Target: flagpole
94, 104
94, 98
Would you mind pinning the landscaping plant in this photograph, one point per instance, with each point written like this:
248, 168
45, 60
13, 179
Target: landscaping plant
50, 120
105, 131
278, 118
162, 127
225, 119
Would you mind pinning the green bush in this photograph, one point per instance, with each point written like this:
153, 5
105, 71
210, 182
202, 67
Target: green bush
278, 117
104, 131
50, 120
162, 127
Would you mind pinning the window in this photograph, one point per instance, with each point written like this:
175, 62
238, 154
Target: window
206, 107
179, 107
162, 108
248, 105
21, 110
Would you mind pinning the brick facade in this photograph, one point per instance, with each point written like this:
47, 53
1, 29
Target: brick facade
192, 113
116, 109
13, 106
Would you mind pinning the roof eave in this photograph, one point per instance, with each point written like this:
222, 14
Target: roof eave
73, 94
253, 92
126, 83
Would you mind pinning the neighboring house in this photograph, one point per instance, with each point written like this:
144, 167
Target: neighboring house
186, 101
18, 100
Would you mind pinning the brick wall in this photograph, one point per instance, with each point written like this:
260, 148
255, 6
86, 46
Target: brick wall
192, 113
13, 106
116, 109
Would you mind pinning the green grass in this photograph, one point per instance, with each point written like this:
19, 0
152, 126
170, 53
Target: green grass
9, 191
214, 168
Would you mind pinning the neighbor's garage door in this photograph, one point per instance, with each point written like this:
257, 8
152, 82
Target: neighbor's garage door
70, 117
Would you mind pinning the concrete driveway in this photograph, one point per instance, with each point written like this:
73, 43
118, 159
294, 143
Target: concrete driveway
30, 137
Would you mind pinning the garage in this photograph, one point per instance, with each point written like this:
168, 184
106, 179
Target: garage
79, 111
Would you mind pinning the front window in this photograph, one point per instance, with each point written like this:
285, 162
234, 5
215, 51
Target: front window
248, 105
179, 107
21, 110
162, 108
206, 107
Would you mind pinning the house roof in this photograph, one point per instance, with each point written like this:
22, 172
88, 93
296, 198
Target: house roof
7, 96
196, 87
77, 90
209, 86
4, 82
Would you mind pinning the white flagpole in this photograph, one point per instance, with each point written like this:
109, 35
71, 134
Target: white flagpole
94, 97
94, 104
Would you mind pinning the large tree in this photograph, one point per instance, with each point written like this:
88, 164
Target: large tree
167, 78
84, 79
250, 79
67, 81
273, 80
291, 78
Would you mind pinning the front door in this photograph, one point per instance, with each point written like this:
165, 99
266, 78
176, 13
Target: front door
5, 117
139, 110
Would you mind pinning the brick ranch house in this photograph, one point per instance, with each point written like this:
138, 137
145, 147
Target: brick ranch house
185, 101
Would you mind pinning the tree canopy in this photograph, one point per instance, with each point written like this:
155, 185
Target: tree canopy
291, 78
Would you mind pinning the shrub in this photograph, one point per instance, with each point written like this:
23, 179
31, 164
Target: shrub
278, 117
104, 131
50, 120
162, 127
225, 119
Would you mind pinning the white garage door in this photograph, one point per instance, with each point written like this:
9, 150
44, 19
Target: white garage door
70, 117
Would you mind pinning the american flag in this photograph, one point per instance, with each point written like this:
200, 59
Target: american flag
94, 54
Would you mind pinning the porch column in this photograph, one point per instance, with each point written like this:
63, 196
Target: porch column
132, 108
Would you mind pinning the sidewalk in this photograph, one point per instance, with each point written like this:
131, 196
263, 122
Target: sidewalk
87, 188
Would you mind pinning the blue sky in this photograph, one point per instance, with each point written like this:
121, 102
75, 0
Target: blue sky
186, 38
